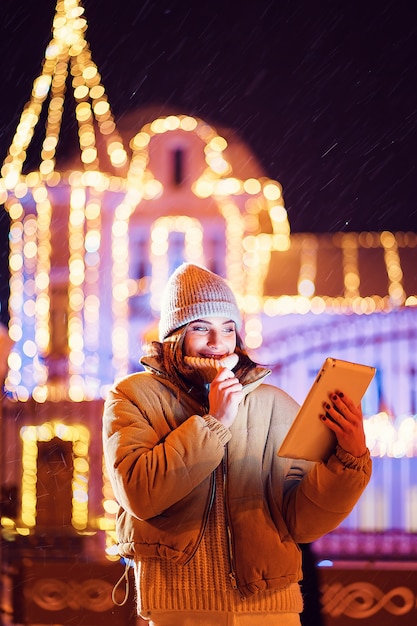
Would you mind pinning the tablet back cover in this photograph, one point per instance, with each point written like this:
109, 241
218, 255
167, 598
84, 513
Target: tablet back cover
308, 438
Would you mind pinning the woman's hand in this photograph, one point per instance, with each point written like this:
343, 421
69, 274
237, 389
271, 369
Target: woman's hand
225, 396
346, 421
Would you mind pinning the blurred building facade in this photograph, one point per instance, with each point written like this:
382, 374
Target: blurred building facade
91, 246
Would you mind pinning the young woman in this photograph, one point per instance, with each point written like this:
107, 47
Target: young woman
209, 513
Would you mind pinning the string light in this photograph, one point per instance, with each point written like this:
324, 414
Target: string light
162, 228
79, 436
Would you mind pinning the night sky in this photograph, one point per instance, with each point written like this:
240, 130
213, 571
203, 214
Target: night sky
325, 94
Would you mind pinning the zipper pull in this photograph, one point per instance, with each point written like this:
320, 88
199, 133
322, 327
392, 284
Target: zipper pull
234, 584
233, 581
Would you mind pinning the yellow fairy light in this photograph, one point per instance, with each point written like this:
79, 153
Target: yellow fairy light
67, 52
350, 265
193, 249
393, 264
188, 123
80, 437
272, 191
308, 267
252, 186
108, 521
120, 291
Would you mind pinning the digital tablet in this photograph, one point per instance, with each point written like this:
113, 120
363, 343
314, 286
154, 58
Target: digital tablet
308, 438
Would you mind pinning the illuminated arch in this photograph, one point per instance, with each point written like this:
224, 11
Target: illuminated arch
79, 436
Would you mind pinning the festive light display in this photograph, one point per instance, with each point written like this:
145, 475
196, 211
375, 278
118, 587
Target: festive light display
79, 436
72, 283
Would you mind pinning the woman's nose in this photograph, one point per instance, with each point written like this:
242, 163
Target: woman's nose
214, 339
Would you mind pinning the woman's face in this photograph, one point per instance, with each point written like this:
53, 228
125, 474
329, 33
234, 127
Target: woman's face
211, 337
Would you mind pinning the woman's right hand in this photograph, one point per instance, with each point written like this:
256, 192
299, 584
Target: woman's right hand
225, 395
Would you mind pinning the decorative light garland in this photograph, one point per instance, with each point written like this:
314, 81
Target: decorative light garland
79, 436
395, 275
193, 249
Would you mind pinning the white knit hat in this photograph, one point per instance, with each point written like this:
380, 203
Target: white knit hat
192, 293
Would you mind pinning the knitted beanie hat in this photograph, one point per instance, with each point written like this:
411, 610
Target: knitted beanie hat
192, 293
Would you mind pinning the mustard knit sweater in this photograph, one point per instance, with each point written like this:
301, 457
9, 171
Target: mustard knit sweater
204, 584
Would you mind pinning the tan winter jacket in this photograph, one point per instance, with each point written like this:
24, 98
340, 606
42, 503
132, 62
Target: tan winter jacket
161, 450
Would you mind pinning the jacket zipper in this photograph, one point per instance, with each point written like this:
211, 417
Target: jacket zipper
210, 501
206, 515
232, 573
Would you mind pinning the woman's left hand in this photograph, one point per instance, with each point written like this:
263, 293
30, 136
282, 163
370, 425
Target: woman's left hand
346, 421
